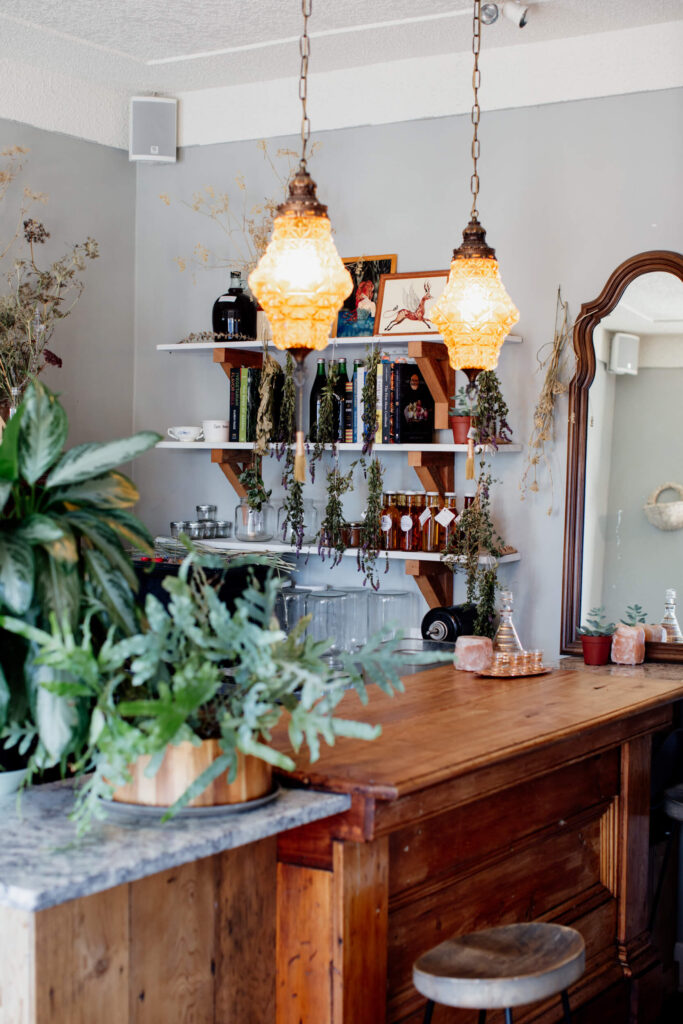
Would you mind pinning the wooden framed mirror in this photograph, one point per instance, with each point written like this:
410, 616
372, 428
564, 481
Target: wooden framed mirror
619, 441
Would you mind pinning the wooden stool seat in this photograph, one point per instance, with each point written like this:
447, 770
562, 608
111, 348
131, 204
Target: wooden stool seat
501, 967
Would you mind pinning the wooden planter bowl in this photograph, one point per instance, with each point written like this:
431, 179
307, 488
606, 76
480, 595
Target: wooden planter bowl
182, 765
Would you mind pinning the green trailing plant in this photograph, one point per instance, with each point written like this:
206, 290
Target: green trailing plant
464, 401
634, 615
474, 549
369, 551
369, 398
325, 432
331, 536
491, 411
252, 480
64, 518
596, 624
196, 670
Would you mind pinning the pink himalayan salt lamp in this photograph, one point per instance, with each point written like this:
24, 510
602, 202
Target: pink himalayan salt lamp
628, 645
654, 633
474, 653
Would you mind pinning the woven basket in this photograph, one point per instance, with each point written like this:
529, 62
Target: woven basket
665, 515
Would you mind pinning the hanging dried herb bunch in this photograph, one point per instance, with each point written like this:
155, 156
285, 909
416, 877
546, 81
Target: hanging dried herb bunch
489, 418
331, 537
369, 399
557, 366
267, 413
325, 430
372, 530
252, 481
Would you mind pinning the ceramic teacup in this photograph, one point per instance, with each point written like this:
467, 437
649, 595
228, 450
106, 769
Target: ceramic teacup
185, 433
215, 431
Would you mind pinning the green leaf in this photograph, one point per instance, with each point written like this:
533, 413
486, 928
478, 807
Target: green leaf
106, 541
39, 529
109, 491
4, 698
16, 574
58, 589
44, 427
93, 459
5, 491
131, 530
113, 590
56, 716
9, 448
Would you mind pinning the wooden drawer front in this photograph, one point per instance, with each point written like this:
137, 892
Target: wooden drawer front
533, 881
467, 835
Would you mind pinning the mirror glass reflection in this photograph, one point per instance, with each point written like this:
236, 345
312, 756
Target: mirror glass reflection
634, 446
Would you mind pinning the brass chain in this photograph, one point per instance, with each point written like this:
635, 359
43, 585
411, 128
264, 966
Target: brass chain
305, 52
476, 112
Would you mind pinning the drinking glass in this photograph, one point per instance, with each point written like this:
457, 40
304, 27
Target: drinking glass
327, 609
393, 610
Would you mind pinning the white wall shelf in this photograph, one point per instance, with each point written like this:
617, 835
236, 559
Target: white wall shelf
342, 447
311, 549
385, 339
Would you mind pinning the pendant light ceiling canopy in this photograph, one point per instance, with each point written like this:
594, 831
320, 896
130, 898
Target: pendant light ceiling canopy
300, 280
474, 312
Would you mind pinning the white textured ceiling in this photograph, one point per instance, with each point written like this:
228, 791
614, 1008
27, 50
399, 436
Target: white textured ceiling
170, 45
652, 304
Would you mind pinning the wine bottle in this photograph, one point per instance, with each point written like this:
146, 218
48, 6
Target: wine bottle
316, 395
340, 400
234, 313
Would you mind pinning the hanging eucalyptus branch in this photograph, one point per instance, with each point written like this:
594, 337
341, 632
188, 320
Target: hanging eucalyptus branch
372, 531
331, 538
557, 372
252, 481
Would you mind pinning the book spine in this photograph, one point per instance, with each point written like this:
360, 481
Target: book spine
380, 379
354, 399
234, 404
348, 412
386, 409
359, 404
244, 383
253, 385
392, 400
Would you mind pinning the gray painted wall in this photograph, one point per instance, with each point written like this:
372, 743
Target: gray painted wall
568, 192
92, 192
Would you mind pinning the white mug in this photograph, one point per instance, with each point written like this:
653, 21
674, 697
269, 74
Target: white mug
215, 431
185, 433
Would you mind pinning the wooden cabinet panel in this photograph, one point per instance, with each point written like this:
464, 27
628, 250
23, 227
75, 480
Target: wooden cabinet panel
17, 1003
433, 847
305, 942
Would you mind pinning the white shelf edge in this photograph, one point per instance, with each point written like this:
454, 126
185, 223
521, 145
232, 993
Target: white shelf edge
385, 339
342, 447
311, 549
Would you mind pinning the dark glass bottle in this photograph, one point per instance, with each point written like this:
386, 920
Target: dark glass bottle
340, 400
234, 313
319, 383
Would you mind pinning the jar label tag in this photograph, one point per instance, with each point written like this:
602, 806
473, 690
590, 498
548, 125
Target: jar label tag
425, 517
385, 523
445, 517
406, 523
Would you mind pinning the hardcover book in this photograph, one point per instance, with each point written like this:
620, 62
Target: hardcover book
413, 406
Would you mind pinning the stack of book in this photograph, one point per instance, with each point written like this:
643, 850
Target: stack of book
404, 405
244, 402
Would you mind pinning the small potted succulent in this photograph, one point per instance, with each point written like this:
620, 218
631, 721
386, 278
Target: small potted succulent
463, 408
596, 637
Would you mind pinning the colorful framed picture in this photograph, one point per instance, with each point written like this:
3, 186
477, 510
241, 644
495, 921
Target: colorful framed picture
356, 318
405, 300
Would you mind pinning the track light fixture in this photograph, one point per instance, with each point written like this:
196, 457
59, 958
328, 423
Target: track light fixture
513, 10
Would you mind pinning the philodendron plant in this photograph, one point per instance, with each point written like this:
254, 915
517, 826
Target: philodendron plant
63, 519
197, 671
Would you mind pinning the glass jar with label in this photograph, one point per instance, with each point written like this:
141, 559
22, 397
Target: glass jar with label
388, 521
430, 527
406, 524
418, 510
445, 519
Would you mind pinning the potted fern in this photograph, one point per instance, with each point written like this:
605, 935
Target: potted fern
596, 637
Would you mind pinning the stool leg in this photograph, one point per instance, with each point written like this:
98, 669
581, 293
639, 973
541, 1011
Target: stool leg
429, 1010
508, 1016
565, 1006
482, 1017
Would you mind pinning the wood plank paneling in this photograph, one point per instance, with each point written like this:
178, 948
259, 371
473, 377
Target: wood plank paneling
305, 939
172, 947
82, 960
17, 1004
245, 940
433, 847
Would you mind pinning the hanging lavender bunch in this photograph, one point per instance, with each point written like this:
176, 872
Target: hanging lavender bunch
372, 531
331, 536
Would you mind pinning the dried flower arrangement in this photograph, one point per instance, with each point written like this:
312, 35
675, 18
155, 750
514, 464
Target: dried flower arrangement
556, 365
38, 297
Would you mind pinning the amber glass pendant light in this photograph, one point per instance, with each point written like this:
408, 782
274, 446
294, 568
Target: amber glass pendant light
300, 280
474, 313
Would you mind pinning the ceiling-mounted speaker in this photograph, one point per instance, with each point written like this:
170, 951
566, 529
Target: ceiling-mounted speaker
623, 356
153, 129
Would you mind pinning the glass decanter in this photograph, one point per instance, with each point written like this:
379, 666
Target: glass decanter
670, 622
506, 638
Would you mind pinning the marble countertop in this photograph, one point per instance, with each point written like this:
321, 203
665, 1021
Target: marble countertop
43, 862
648, 669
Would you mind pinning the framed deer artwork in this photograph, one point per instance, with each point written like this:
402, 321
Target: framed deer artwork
356, 318
405, 300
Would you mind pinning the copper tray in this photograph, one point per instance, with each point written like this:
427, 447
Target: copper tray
516, 675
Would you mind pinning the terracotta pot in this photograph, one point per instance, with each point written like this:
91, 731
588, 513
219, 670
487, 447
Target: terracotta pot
182, 765
596, 649
460, 426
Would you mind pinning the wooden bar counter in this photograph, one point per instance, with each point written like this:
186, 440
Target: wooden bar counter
485, 801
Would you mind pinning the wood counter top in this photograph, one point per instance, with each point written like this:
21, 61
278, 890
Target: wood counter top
449, 724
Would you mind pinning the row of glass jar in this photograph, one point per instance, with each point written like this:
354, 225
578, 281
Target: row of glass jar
419, 520
205, 527
346, 617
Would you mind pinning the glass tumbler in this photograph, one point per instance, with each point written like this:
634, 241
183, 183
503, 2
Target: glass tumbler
355, 618
327, 609
291, 606
395, 611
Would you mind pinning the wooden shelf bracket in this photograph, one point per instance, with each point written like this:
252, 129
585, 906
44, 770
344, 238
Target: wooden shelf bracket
432, 360
233, 463
434, 579
435, 470
230, 358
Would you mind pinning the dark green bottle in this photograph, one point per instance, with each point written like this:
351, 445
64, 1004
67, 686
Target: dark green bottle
340, 400
319, 383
